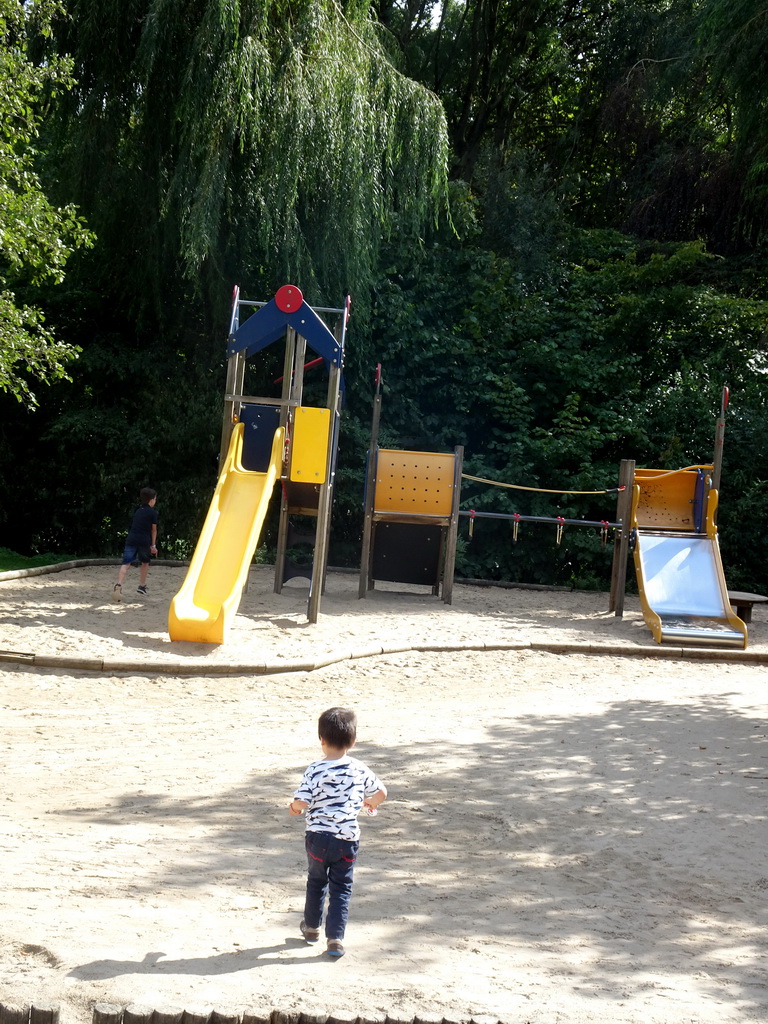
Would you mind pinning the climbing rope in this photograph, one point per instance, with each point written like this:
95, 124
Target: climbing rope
541, 490
672, 472
549, 490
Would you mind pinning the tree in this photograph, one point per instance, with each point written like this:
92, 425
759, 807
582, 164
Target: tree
208, 142
734, 37
619, 350
37, 238
244, 140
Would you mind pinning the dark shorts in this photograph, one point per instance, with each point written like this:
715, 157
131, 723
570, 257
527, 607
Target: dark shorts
136, 553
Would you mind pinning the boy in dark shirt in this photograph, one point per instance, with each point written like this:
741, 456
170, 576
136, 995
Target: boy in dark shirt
141, 542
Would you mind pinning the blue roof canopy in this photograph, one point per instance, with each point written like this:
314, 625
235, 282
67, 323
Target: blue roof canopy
269, 323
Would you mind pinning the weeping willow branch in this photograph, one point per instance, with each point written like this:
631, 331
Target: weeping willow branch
278, 132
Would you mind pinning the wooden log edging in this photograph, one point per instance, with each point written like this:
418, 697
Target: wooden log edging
137, 1013
76, 563
35, 1013
125, 666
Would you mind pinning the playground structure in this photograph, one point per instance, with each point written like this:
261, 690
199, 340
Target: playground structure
672, 536
666, 519
411, 515
680, 575
670, 531
263, 440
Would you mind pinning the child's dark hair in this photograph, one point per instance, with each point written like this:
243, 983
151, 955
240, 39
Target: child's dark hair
338, 727
147, 494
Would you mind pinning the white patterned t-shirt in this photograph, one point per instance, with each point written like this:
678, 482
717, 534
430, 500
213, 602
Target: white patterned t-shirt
335, 791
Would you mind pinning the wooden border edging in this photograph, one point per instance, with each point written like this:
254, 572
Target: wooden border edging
137, 1013
124, 666
36, 1013
77, 563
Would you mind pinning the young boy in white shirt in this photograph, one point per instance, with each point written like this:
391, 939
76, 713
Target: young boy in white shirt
333, 791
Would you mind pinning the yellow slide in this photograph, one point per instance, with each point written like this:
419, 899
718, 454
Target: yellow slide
204, 608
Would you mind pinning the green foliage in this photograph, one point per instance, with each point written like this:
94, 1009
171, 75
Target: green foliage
10, 560
567, 314
37, 238
242, 140
620, 352
208, 142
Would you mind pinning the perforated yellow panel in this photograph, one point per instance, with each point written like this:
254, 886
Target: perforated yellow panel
414, 483
309, 444
666, 503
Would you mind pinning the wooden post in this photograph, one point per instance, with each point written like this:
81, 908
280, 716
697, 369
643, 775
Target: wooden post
14, 1013
167, 1015
334, 402
233, 375
44, 1013
370, 490
453, 529
621, 542
719, 440
297, 344
323, 529
235, 379
286, 420
365, 552
136, 1013
225, 1015
107, 1013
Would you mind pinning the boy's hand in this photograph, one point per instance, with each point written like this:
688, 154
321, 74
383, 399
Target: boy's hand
297, 807
372, 802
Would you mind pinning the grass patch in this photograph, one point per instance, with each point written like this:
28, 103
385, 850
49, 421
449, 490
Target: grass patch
12, 560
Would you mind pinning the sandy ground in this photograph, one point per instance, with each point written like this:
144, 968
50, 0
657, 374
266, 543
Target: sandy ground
569, 838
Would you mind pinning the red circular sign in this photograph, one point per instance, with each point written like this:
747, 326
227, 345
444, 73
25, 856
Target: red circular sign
288, 298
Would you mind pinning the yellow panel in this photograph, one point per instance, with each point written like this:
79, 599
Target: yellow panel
414, 483
666, 503
309, 445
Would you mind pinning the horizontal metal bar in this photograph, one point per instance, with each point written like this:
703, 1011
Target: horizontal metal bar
254, 400
317, 309
538, 519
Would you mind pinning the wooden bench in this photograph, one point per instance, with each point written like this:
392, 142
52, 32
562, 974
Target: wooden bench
743, 603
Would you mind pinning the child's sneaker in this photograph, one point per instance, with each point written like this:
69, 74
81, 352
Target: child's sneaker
141, 590
335, 947
310, 934
117, 593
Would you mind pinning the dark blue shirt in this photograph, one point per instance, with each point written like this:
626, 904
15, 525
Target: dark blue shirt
140, 532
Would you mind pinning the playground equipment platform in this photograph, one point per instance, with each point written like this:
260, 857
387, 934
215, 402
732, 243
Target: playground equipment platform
266, 439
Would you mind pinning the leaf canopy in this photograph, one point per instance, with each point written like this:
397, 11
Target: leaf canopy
248, 138
36, 238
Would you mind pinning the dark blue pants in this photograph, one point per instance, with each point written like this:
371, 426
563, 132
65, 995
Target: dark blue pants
330, 865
